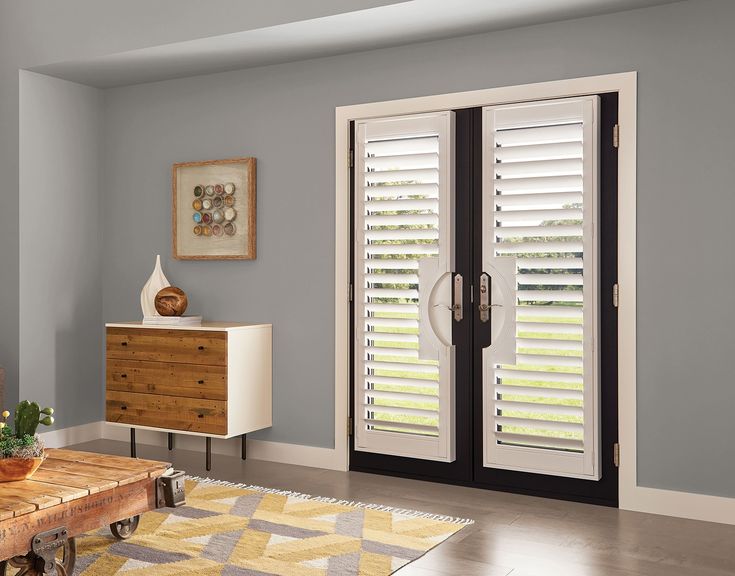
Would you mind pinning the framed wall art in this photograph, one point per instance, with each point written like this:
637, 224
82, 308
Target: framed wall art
214, 210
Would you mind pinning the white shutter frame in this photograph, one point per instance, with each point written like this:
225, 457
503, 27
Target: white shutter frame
382, 136
528, 124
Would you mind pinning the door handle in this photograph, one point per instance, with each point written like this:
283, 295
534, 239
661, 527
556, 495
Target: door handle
457, 307
485, 306
484, 297
498, 291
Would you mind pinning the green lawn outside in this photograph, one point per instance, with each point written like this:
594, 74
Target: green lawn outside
433, 405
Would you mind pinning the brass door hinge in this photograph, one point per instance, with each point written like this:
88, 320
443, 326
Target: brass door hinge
351, 158
616, 135
351, 293
350, 426
615, 295
616, 455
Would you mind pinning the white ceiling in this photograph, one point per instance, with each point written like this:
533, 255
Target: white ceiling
388, 25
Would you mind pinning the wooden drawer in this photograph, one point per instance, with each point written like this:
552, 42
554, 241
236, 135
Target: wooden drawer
183, 346
170, 412
169, 379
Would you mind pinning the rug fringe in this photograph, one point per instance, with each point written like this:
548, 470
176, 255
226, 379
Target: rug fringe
326, 500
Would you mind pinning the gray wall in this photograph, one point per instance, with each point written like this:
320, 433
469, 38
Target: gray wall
284, 115
60, 247
38, 32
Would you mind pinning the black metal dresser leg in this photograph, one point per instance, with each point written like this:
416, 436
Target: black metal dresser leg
132, 443
170, 441
243, 446
209, 453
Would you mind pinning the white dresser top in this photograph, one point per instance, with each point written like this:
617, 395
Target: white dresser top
207, 326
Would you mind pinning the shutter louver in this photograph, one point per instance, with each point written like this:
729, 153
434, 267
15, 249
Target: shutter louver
540, 187
402, 400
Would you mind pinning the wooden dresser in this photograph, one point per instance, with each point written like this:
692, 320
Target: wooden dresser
212, 380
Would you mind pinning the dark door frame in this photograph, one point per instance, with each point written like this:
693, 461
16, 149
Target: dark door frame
467, 469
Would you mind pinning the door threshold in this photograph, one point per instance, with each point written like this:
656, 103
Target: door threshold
491, 487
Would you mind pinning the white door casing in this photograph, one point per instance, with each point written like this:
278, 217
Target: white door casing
632, 496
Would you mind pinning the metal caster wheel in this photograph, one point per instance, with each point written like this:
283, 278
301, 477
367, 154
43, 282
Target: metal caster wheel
124, 529
32, 565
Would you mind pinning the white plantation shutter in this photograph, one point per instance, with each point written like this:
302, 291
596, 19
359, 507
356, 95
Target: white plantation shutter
540, 249
404, 372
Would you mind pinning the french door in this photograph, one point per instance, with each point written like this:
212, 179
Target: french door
484, 332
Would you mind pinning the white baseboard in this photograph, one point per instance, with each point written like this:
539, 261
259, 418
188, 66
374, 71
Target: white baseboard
297, 454
256, 449
312, 456
72, 435
680, 504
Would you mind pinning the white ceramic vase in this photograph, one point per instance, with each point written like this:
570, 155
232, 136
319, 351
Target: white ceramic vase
155, 283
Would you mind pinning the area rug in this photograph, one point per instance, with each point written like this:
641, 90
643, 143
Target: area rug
234, 530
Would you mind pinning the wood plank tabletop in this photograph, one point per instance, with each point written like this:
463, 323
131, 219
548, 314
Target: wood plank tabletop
68, 475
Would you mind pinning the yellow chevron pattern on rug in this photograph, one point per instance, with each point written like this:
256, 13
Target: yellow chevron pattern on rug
233, 530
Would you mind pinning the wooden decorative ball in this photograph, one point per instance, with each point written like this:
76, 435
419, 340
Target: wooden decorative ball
171, 301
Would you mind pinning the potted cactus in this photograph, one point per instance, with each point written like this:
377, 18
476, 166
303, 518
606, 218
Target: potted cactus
21, 449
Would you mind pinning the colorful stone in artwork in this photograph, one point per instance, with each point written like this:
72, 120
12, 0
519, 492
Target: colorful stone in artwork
214, 210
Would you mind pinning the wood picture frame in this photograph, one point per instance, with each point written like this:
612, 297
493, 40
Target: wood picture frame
214, 209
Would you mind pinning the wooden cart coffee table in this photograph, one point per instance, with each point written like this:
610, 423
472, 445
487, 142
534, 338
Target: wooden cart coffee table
72, 493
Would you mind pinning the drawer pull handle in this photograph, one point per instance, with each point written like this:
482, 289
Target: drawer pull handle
123, 375
123, 343
123, 407
200, 415
200, 381
200, 347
